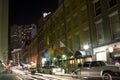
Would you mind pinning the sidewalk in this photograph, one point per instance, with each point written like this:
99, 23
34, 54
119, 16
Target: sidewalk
66, 74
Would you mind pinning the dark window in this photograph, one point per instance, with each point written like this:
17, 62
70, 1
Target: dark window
86, 64
97, 8
95, 64
112, 3
102, 63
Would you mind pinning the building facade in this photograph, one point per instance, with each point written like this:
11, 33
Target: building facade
68, 25
21, 36
105, 28
4, 6
84, 31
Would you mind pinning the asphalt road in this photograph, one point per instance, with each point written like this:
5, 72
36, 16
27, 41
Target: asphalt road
9, 77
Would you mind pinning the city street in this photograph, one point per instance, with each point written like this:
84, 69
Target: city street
59, 39
25, 75
9, 77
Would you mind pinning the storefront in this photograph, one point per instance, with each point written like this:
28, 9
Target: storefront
109, 53
16, 56
82, 56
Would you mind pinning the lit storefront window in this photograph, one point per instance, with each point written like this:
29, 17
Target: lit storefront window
70, 61
79, 61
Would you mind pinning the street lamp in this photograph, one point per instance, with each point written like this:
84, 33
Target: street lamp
64, 57
86, 47
55, 60
110, 49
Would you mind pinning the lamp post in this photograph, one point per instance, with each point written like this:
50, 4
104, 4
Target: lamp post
64, 57
55, 60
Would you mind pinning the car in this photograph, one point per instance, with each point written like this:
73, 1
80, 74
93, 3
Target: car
33, 68
97, 70
52, 69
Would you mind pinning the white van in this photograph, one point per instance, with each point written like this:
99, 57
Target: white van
52, 70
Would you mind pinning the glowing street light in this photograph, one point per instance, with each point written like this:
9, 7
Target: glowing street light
54, 59
111, 49
64, 57
86, 47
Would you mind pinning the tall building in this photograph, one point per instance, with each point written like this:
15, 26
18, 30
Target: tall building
4, 8
21, 36
88, 28
16, 38
84, 31
68, 26
105, 29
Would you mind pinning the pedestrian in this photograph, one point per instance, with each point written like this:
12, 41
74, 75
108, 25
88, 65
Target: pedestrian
117, 63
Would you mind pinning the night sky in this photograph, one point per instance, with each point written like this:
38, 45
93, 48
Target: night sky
29, 11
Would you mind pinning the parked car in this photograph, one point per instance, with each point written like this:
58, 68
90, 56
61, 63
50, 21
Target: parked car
52, 70
97, 69
33, 68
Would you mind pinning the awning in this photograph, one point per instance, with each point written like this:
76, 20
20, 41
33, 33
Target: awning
79, 54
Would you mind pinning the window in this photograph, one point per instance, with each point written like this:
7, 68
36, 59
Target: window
112, 3
86, 64
115, 25
97, 6
59, 33
99, 31
67, 10
84, 14
68, 26
63, 29
75, 20
73, 4
86, 36
70, 43
77, 41
95, 64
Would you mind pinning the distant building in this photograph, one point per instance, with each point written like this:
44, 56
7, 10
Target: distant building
21, 36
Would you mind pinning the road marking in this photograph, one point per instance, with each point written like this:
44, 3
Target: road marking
19, 78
